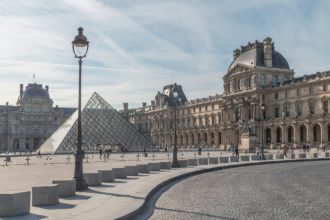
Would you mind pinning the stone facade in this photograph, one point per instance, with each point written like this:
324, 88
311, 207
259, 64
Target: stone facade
296, 108
27, 125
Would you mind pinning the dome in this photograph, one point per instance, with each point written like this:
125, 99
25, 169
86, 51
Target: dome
35, 90
253, 55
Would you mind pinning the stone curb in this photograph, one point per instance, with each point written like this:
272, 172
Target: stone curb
141, 209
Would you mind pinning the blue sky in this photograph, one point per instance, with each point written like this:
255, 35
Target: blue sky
136, 46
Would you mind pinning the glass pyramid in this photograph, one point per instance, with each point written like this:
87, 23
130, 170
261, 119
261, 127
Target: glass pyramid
102, 126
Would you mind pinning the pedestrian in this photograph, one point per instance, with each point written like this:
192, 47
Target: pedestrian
285, 151
39, 154
236, 151
100, 152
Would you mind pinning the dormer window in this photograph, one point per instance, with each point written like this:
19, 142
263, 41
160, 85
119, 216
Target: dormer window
231, 86
241, 84
274, 80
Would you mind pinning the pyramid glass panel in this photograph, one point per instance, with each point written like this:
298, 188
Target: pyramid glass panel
102, 125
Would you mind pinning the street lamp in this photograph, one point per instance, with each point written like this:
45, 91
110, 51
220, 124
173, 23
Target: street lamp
175, 163
262, 107
80, 48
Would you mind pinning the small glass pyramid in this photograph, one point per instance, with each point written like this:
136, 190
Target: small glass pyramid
101, 125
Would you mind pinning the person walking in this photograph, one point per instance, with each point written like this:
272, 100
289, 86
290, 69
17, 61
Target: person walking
285, 150
236, 151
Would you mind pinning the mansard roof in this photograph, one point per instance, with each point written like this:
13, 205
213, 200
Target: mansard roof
33, 90
253, 55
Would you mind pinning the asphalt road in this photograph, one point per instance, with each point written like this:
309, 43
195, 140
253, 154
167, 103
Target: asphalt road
299, 190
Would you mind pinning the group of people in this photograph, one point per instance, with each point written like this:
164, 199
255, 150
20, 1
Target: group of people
105, 153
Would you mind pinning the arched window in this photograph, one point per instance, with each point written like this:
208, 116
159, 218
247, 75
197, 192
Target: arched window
317, 133
268, 136
220, 139
303, 134
290, 134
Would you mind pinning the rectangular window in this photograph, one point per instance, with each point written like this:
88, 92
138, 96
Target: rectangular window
277, 112
287, 111
325, 105
276, 96
299, 110
311, 108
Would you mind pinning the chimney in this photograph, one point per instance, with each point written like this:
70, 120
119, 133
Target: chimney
125, 106
144, 104
20, 90
268, 49
236, 53
47, 88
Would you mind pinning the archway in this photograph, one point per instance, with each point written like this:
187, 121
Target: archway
198, 138
278, 135
303, 134
36, 143
317, 133
220, 138
212, 138
329, 133
192, 139
16, 144
290, 134
185, 141
205, 137
236, 140
268, 136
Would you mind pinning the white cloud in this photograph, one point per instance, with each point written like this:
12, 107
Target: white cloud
135, 46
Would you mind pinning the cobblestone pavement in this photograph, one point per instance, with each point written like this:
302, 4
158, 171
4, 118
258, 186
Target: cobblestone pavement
275, 191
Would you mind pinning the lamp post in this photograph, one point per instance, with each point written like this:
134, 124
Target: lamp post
175, 162
80, 48
262, 107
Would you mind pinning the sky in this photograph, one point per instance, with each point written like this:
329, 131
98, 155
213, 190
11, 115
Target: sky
137, 47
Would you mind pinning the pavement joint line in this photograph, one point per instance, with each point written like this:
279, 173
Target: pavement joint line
161, 187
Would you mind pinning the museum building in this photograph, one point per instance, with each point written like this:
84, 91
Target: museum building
262, 104
25, 126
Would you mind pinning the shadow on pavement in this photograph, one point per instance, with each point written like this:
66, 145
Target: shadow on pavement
196, 213
76, 197
61, 205
115, 194
30, 216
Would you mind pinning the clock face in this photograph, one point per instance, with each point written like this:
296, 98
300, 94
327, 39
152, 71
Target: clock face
166, 92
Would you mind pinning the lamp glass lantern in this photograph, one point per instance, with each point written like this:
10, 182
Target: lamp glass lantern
80, 44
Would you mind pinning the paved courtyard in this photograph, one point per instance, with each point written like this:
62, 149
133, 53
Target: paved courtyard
57, 167
273, 191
